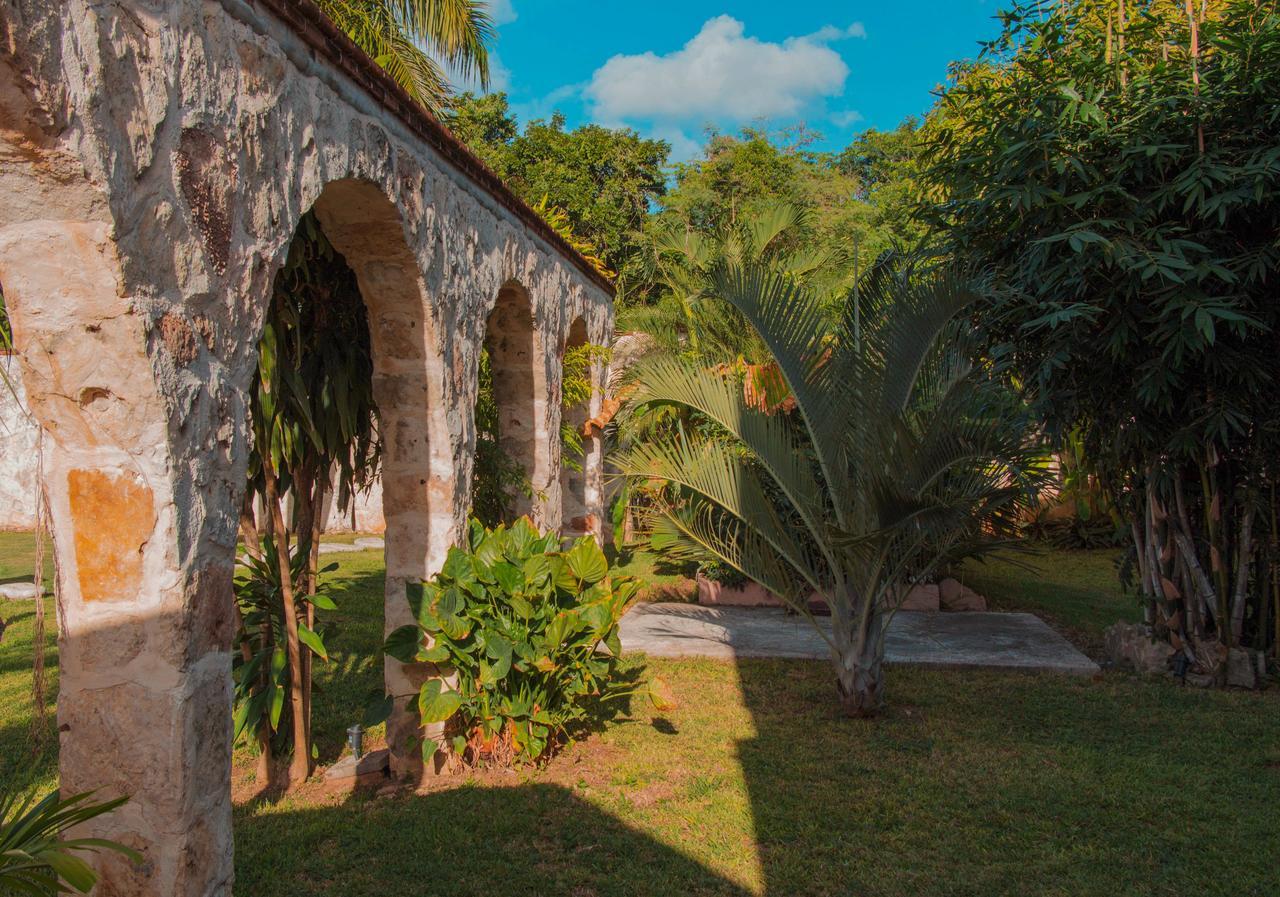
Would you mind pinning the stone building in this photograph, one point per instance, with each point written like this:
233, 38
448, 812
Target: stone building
155, 159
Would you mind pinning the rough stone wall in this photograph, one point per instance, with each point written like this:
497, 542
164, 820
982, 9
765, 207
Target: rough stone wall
18, 439
154, 162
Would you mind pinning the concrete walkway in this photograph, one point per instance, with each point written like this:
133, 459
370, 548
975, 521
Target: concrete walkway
990, 640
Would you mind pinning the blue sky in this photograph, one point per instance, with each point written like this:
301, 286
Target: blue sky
670, 69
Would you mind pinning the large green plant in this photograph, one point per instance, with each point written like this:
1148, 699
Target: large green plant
515, 624
35, 859
1117, 166
898, 457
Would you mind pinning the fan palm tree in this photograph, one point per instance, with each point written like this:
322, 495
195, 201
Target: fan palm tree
419, 42
899, 456
690, 317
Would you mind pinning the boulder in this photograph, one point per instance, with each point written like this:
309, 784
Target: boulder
749, 594
954, 595
1242, 670
19, 591
1131, 644
922, 598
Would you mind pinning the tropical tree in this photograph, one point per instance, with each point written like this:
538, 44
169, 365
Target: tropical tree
1117, 165
690, 317
315, 429
899, 455
420, 43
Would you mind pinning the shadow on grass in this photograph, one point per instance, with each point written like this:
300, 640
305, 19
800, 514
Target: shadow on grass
534, 839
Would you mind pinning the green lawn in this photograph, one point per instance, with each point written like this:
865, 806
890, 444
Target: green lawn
973, 784
1076, 591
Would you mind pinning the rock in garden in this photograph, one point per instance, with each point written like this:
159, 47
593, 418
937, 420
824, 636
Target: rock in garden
1131, 644
954, 595
921, 598
371, 769
1242, 671
19, 591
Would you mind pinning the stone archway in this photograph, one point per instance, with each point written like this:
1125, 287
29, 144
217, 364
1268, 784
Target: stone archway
520, 392
152, 170
365, 226
576, 517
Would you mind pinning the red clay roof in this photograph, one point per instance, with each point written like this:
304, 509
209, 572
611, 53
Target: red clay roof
313, 26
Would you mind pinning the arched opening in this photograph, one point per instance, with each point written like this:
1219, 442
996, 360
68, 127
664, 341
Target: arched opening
348, 319
576, 391
508, 478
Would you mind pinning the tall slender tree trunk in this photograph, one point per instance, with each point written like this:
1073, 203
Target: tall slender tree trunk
300, 764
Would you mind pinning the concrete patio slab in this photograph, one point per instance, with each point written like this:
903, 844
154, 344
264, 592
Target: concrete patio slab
987, 640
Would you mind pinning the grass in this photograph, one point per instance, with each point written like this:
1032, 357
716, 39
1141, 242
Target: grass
18, 558
1077, 591
974, 783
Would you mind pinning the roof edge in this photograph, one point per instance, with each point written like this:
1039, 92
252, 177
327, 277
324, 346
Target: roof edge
316, 29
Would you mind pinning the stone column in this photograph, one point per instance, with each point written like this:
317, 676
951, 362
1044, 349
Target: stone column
408, 371
145, 619
593, 458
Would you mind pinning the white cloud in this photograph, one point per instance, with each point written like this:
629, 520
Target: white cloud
501, 11
722, 75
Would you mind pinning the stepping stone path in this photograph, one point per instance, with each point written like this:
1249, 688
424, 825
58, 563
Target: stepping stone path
989, 640
19, 591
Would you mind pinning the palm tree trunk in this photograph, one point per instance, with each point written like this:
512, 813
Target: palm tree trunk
860, 659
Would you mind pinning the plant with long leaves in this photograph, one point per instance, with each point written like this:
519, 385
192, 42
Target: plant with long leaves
419, 43
899, 456
35, 859
314, 428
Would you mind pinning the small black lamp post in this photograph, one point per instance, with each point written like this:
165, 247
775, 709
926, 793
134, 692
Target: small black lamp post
355, 740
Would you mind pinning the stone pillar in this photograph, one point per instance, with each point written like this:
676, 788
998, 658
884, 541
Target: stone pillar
145, 619
417, 469
593, 490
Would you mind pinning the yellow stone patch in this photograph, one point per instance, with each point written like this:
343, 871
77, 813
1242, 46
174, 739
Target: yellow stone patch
113, 516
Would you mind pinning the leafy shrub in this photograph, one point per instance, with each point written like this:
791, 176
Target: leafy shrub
515, 623
35, 859
261, 666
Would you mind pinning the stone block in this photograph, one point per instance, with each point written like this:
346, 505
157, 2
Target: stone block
750, 594
114, 516
371, 769
953, 595
19, 591
1242, 670
923, 597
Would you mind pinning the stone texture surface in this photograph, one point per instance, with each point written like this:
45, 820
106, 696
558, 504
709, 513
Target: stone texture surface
155, 159
1242, 668
998, 641
1131, 645
18, 591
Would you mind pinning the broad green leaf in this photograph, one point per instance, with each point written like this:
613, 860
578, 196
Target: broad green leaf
435, 704
402, 643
